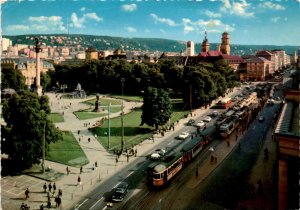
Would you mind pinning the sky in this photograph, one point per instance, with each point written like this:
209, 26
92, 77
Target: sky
261, 22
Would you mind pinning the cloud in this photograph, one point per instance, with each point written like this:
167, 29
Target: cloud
130, 29
162, 31
187, 29
166, 21
212, 14
129, 7
272, 6
82, 9
46, 23
17, 28
275, 19
77, 22
236, 8
212, 25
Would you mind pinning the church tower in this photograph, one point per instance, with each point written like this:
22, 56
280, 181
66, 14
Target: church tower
225, 46
205, 44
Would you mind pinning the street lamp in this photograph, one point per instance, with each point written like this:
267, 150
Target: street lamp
122, 120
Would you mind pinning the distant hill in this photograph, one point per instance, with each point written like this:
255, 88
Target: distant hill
140, 44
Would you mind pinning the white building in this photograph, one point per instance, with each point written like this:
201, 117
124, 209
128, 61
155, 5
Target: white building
190, 48
5, 43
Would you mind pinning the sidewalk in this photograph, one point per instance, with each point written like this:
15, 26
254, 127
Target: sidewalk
13, 188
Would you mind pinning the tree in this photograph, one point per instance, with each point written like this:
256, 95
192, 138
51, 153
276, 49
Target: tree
157, 108
26, 120
12, 78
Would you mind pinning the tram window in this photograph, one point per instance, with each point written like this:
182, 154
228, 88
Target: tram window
157, 176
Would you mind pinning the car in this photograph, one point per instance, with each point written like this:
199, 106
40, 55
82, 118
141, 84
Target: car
200, 124
214, 113
120, 192
190, 122
183, 135
207, 119
261, 118
157, 154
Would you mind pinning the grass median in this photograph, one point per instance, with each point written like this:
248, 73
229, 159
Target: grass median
56, 117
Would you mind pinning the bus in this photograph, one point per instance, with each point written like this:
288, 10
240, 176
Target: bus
224, 103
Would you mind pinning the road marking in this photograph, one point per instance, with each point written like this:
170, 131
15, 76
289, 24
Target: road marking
82, 202
96, 203
159, 201
170, 142
104, 207
129, 174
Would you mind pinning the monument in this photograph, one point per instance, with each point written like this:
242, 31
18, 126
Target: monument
38, 87
97, 103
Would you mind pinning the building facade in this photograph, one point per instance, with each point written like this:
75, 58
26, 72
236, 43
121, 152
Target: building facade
190, 48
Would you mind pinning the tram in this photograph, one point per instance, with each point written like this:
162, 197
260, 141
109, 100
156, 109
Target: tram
227, 128
161, 173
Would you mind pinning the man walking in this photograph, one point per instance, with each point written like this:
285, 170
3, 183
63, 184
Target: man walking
26, 194
45, 187
50, 187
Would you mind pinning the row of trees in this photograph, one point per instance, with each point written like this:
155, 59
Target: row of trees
197, 85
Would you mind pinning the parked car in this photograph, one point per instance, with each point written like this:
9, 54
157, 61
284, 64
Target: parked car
207, 119
183, 135
200, 124
261, 118
120, 192
190, 122
214, 113
157, 154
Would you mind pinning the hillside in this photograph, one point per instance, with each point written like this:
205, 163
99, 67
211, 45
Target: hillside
140, 44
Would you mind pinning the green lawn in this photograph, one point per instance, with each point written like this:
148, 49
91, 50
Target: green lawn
105, 102
84, 115
128, 98
56, 117
67, 151
133, 132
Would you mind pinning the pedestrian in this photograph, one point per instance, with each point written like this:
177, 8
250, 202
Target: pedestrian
54, 188
45, 187
81, 170
49, 204
216, 158
212, 159
42, 207
96, 164
79, 180
58, 202
127, 158
68, 171
60, 192
50, 187
22, 206
89, 139
26, 194
135, 152
228, 143
236, 137
78, 132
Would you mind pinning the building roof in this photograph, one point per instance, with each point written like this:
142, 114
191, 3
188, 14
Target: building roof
210, 53
264, 52
255, 59
91, 49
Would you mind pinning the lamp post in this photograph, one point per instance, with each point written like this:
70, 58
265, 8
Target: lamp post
44, 142
122, 120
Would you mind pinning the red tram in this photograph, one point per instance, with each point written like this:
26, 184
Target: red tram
160, 173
